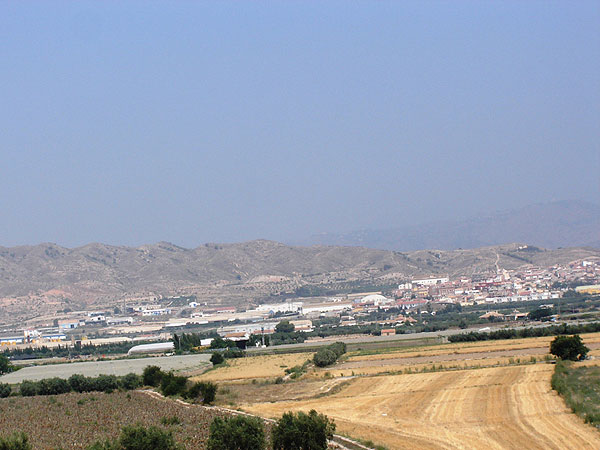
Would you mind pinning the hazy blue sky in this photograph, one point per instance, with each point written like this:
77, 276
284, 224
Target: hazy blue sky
134, 122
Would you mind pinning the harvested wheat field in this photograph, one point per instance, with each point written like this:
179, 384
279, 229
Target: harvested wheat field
498, 408
504, 345
265, 366
459, 355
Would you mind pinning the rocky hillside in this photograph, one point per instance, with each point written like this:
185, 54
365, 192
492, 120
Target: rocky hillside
99, 270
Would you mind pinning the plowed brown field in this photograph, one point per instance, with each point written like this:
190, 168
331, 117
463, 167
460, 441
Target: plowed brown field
493, 408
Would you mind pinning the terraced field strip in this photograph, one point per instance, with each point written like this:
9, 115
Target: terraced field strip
468, 347
495, 408
263, 366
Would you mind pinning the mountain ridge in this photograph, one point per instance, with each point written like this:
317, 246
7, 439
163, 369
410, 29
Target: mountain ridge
549, 225
98, 270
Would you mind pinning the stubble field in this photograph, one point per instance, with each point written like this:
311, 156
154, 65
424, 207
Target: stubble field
254, 367
492, 408
488, 395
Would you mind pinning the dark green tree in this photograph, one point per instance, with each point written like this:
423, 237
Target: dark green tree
152, 376
5, 365
5, 390
236, 433
171, 384
539, 314
204, 391
285, 327
217, 358
302, 431
569, 348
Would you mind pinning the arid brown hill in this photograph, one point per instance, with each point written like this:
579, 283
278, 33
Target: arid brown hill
164, 268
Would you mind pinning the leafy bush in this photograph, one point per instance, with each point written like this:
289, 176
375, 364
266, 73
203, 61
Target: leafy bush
237, 433
139, 438
80, 383
28, 388
152, 376
302, 431
569, 348
5, 390
53, 386
130, 381
339, 348
206, 391
324, 357
15, 442
172, 384
329, 355
216, 359
105, 383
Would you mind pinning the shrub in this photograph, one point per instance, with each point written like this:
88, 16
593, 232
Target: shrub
5, 390
324, 357
15, 442
302, 431
569, 348
339, 348
216, 359
206, 391
172, 384
139, 438
105, 383
28, 388
79, 383
53, 386
236, 433
5, 365
130, 381
152, 376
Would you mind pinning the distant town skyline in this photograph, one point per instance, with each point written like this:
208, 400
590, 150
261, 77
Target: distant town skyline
133, 123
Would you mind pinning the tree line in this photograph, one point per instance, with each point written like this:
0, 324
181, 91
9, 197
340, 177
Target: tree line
554, 330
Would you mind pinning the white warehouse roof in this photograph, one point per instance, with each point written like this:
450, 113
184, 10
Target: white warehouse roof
159, 347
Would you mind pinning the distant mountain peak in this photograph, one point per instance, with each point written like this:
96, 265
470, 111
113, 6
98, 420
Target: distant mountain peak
564, 223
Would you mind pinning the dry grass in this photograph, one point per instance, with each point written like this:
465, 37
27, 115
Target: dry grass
265, 366
505, 407
465, 348
74, 421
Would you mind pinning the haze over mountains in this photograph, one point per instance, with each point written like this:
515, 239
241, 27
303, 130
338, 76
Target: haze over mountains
96, 270
103, 271
548, 225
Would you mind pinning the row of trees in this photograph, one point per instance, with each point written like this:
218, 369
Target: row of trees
555, 330
168, 383
76, 383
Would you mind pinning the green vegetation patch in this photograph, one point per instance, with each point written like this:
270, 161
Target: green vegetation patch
580, 387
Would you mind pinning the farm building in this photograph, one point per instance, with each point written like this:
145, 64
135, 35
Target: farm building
159, 347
